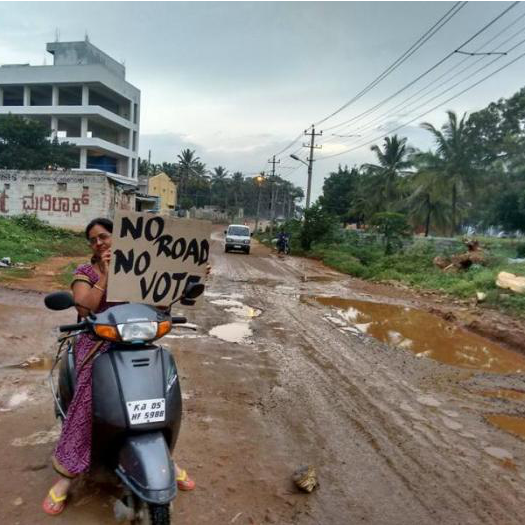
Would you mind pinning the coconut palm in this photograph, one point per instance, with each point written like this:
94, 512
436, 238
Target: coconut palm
454, 160
392, 164
187, 165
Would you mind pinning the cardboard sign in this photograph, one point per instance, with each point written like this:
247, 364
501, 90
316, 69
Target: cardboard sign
154, 257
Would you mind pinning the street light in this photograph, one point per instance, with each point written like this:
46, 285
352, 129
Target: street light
295, 157
259, 179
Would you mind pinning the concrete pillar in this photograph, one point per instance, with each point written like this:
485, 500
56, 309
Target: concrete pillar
85, 95
27, 96
83, 158
83, 127
1, 96
54, 95
131, 111
130, 140
54, 127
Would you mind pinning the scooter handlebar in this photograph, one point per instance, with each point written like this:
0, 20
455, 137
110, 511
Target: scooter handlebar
72, 327
178, 320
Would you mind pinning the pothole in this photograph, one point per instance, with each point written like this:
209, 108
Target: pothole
237, 332
424, 334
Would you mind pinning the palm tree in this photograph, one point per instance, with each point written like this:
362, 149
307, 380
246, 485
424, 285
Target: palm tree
220, 183
393, 164
237, 185
454, 159
187, 165
426, 202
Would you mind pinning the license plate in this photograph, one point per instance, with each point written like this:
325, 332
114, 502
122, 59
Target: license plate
146, 411
238, 246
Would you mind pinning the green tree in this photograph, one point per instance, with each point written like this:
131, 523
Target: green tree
25, 145
340, 193
392, 164
454, 160
393, 227
426, 202
318, 225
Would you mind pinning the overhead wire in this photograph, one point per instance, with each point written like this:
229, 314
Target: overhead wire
405, 56
425, 73
409, 52
371, 126
475, 84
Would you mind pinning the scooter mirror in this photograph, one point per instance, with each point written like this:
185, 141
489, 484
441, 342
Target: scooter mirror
193, 290
59, 301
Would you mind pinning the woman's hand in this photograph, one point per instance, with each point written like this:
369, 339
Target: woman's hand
105, 260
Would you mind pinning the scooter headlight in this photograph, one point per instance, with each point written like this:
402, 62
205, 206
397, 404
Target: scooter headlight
138, 331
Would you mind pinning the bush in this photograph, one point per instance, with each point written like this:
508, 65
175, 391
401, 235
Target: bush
520, 250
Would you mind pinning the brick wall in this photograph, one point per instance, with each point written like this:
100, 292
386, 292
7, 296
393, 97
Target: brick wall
68, 199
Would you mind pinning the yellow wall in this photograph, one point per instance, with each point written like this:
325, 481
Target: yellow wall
162, 186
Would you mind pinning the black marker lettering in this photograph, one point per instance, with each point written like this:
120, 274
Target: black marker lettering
122, 262
158, 295
127, 226
193, 249
146, 260
159, 221
144, 288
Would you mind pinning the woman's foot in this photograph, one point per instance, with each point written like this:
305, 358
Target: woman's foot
184, 482
55, 501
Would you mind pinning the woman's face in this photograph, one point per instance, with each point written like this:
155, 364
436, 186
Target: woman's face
99, 239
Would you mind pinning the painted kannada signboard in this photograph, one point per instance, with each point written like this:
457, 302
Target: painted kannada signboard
154, 257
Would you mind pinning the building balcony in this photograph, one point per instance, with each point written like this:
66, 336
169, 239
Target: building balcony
99, 144
97, 112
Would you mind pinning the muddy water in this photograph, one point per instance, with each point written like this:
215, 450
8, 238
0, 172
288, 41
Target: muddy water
513, 424
504, 393
424, 334
34, 363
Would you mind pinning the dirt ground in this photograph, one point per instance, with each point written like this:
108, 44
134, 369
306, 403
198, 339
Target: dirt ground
280, 375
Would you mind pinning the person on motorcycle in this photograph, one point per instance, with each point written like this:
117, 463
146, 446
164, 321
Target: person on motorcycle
72, 455
282, 241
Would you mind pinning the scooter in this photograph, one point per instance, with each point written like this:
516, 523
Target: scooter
137, 402
283, 246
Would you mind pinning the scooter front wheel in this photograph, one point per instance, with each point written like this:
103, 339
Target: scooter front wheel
151, 514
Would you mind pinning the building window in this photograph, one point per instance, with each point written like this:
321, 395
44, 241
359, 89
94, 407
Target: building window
7, 186
62, 186
31, 187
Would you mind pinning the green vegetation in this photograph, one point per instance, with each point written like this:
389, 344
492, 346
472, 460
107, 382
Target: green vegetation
24, 145
25, 239
198, 186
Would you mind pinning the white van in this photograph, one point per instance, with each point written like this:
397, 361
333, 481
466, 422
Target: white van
237, 238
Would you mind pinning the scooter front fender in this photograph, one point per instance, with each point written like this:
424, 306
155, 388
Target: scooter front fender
146, 468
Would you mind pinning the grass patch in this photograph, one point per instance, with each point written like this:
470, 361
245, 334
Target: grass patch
25, 239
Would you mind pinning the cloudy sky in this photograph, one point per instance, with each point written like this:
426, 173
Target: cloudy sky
238, 81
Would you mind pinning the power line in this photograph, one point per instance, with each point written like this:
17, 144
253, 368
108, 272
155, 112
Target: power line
401, 106
428, 111
405, 56
429, 70
371, 124
409, 52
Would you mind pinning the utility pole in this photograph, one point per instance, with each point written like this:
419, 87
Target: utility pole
310, 160
273, 162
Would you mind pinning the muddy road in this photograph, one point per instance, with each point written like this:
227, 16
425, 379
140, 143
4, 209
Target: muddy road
408, 419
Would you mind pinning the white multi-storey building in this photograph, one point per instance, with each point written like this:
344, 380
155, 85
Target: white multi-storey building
84, 99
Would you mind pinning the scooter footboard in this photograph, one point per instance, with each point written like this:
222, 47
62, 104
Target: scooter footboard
146, 468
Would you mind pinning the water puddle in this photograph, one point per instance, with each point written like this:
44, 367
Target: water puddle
504, 393
34, 363
245, 311
232, 332
513, 424
424, 334
226, 302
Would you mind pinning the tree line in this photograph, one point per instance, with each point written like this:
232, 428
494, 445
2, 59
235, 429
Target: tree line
474, 176
198, 187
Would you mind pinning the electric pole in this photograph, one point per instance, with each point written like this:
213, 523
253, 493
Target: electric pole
273, 162
310, 160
